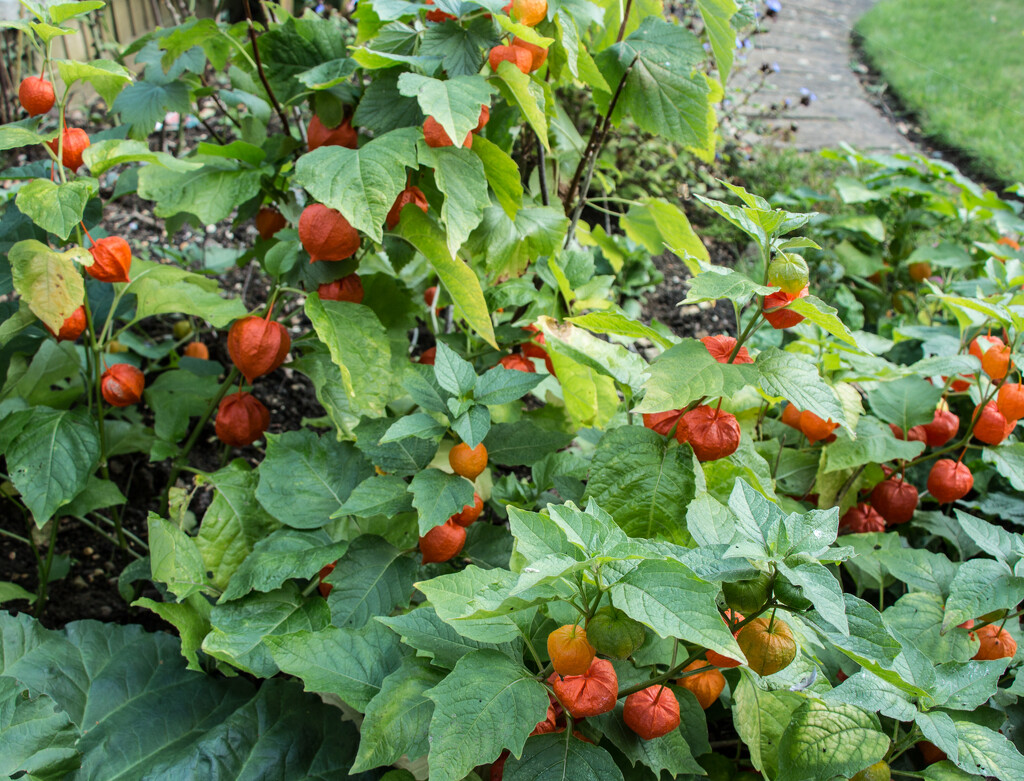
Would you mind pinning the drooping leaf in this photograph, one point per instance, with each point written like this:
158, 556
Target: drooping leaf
361, 183
486, 704
305, 478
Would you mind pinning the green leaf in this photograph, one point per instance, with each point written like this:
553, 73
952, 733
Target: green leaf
174, 558
821, 314
986, 752
919, 569
103, 676
657, 224
106, 77
459, 174
419, 424
452, 597
191, 619
715, 282
458, 278
486, 704
663, 94
473, 425
328, 74
875, 444
211, 192
38, 738
686, 372
404, 457
104, 155
502, 175
351, 663
585, 349
175, 397
397, 720
669, 598
234, 522
1008, 459
12, 592
15, 135
383, 109
672, 752
824, 740
453, 372
305, 478
286, 553
643, 483
906, 402
379, 495
49, 282
56, 208
240, 627
869, 642
980, 586
50, 460
821, 588
434, 639
784, 375
61, 12
554, 757
509, 246
500, 385
1002, 545
371, 579
437, 496
144, 104
455, 103
359, 347
520, 90
717, 15
361, 183
522, 443
461, 47
162, 289
620, 325
760, 718
870, 693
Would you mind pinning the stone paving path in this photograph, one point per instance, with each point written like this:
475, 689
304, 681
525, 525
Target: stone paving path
810, 41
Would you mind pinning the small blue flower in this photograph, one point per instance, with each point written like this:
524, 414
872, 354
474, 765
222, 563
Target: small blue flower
773, 6
775, 67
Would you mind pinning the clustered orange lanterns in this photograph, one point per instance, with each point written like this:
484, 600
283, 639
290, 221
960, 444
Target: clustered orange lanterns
257, 346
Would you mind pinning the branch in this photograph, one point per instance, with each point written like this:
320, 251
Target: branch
589, 158
263, 76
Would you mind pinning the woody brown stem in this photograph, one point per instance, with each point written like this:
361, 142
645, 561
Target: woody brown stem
263, 76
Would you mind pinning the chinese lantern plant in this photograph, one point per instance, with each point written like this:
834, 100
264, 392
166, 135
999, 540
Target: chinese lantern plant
415, 548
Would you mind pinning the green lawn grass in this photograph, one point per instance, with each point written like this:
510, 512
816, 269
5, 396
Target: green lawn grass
960, 67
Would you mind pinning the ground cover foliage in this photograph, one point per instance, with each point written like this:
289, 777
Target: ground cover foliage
532, 536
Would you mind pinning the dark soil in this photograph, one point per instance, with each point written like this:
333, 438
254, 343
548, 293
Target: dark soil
692, 320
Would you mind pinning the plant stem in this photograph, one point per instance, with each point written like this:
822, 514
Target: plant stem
533, 651
179, 462
44, 569
589, 159
263, 76
134, 538
672, 672
107, 537
13, 536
